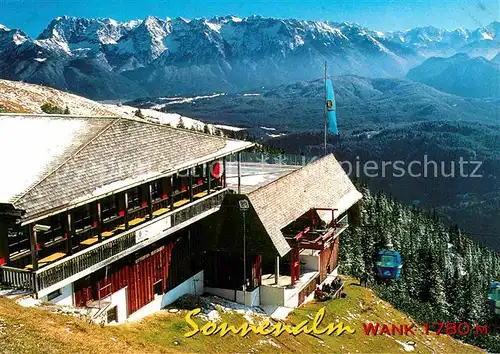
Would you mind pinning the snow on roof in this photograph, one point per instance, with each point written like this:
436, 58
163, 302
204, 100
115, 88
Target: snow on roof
55, 162
31, 148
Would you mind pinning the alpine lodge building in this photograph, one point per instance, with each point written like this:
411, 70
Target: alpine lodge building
123, 216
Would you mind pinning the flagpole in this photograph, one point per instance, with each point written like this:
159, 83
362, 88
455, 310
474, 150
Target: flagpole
326, 112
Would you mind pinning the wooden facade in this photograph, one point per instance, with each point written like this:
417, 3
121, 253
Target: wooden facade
83, 226
153, 271
329, 258
224, 245
225, 270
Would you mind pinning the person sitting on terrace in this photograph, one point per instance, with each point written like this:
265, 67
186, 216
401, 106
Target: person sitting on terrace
336, 284
321, 295
327, 288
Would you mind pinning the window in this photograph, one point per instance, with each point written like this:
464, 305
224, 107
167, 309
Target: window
112, 315
54, 294
177, 183
388, 261
156, 192
83, 217
108, 207
199, 175
134, 197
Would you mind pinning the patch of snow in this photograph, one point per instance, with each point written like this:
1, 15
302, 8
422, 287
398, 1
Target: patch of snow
171, 119
5, 28
29, 302
11, 293
40, 60
228, 127
408, 346
486, 35
213, 316
19, 38
278, 312
276, 135
214, 26
192, 99
270, 341
268, 128
251, 94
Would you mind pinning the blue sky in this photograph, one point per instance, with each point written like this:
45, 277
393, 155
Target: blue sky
32, 16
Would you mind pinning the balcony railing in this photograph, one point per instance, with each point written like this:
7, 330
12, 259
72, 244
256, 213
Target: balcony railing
18, 278
273, 159
69, 269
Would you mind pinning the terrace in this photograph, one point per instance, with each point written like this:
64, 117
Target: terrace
54, 275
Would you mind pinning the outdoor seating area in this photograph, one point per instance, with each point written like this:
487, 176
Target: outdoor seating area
105, 218
47, 260
329, 290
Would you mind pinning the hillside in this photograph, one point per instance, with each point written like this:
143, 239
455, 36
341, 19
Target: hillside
34, 331
445, 275
21, 97
362, 104
460, 75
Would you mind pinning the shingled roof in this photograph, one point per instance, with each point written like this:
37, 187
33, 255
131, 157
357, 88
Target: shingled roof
58, 161
322, 184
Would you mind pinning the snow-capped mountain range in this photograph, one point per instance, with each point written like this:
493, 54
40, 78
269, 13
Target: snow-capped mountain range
107, 59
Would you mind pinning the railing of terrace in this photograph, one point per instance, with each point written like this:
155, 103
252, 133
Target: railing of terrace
273, 159
18, 278
106, 250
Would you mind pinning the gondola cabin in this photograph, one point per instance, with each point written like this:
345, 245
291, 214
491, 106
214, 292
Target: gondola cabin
494, 297
389, 264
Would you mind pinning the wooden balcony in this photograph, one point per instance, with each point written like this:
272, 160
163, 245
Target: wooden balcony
87, 261
318, 239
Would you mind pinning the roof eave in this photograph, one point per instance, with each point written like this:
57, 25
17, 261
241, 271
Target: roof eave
219, 154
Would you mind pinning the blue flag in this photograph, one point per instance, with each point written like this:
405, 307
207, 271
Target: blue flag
331, 108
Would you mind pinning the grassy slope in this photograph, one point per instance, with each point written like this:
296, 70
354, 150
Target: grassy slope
31, 330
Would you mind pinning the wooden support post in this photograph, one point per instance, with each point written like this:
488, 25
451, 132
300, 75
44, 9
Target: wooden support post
99, 221
209, 175
150, 200
190, 184
294, 264
171, 197
69, 230
34, 254
125, 195
277, 271
4, 240
297, 265
223, 174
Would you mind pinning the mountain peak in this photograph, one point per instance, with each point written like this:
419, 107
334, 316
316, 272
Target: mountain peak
224, 52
